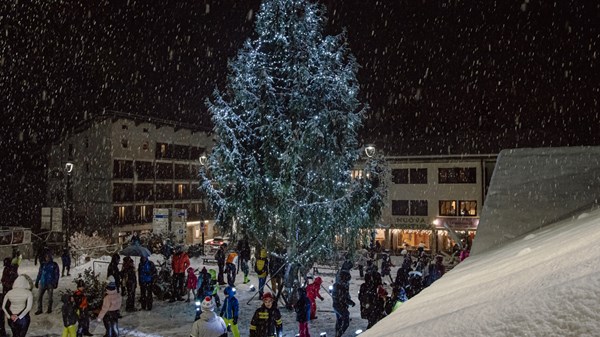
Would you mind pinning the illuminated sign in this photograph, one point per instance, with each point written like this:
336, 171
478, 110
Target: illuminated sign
411, 222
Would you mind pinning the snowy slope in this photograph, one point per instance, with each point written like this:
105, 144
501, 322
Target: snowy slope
546, 283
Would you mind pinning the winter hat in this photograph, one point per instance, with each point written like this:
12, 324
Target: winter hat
112, 285
267, 296
318, 280
208, 304
263, 252
190, 270
404, 252
229, 291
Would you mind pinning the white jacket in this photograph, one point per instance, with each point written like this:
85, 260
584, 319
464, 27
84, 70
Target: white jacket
209, 325
20, 297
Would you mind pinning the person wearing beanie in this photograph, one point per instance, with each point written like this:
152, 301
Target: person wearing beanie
191, 283
146, 276
209, 324
111, 304
312, 292
21, 302
69, 315
302, 308
266, 321
230, 310
261, 267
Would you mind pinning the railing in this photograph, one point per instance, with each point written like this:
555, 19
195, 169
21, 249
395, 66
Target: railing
95, 252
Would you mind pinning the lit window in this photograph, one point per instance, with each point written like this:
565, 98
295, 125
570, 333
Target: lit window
448, 207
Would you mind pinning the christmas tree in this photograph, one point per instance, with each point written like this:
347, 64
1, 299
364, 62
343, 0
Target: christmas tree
287, 139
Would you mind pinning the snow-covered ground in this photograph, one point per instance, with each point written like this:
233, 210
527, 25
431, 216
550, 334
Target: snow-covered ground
545, 283
175, 319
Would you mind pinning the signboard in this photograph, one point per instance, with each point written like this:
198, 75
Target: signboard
179, 224
57, 219
160, 220
46, 218
411, 222
457, 223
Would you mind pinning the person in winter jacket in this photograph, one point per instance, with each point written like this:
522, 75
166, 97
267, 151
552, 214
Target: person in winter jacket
231, 268
146, 276
191, 283
361, 261
9, 275
81, 304
261, 267
398, 297
209, 324
179, 263
213, 287
437, 269
220, 256
111, 304
312, 292
69, 315
341, 300
203, 287
402, 273
303, 312
230, 310
243, 249
266, 321
129, 280
386, 266
66, 262
46, 281
21, 302
113, 270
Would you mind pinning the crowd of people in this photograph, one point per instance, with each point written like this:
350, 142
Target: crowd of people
218, 316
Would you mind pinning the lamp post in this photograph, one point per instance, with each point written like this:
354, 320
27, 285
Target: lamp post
202, 160
68, 170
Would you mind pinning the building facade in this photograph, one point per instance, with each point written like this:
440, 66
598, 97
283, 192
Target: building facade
124, 167
434, 200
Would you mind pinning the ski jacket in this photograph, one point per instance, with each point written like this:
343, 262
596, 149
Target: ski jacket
341, 295
80, 299
230, 308
48, 274
66, 259
232, 258
69, 314
302, 307
192, 279
220, 255
128, 276
9, 275
180, 263
243, 249
266, 322
261, 267
209, 325
312, 290
146, 272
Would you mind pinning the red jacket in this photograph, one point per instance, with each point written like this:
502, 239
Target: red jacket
312, 290
180, 263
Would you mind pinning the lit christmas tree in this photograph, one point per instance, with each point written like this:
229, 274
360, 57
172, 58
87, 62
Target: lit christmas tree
286, 131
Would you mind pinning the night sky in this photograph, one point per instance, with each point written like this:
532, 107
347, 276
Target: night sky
440, 76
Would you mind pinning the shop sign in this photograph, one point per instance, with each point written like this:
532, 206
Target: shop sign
412, 222
457, 223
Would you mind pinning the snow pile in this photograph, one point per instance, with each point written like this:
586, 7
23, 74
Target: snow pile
544, 283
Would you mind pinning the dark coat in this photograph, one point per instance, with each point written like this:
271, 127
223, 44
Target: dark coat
69, 311
9, 275
302, 307
266, 322
113, 269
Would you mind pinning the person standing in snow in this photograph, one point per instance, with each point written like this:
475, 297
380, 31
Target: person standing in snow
66, 262
46, 281
303, 313
312, 292
191, 283
231, 268
146, 276
261, 267
9, 275
113, 270
81, 303
230, 311
220, 256
179, 263
243, 249
21, 302
129, 279
277, 270
209, 324
111, 304
266, 321
69, 315
341, 300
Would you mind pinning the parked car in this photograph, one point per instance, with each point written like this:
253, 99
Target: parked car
211, 245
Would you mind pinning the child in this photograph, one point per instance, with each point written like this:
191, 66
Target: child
192, 282
312, 292
230, 267
81, 304
109, 314
303, 312
214, 287
230, 310
69, 315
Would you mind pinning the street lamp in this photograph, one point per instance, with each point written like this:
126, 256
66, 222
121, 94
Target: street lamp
370, 150
68, 170
202, 159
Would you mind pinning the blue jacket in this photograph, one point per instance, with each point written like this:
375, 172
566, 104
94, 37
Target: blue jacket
48, 274
146, 271
231, 307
